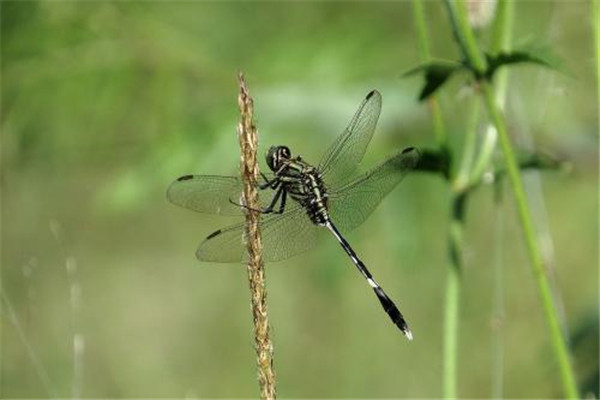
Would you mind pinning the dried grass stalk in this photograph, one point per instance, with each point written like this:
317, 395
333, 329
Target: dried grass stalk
256, 273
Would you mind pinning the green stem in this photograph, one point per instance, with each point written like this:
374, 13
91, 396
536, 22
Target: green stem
475, 58
457, 12
501, 41
468, 154
452, 301
439, 128
423, 41
498, 296
596, 28
556, 334
485, 156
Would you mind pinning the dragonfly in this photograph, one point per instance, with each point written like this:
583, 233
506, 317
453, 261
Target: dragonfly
299, 200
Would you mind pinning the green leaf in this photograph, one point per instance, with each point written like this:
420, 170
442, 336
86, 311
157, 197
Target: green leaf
541, 56
434, 161
539, 161
436, 74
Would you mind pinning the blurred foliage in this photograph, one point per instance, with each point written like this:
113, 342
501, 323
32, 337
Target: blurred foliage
584, 341
436, 73
104, 103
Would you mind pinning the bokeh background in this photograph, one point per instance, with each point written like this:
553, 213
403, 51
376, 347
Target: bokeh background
105, 103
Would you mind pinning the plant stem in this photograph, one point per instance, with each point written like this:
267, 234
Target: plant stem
464, 35
501, 38
40, 370
457, 11
77, 339
434, 107
256, 272
421, 25
452, 300
468, 154
498, 296
596, 28
455, 244
556, 334
501, 41
485, 156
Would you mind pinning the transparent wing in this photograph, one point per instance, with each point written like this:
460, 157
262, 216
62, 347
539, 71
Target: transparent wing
283, 236
350, 205
346, 152
211, 194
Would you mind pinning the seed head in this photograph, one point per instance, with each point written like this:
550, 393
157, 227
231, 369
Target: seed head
480, 12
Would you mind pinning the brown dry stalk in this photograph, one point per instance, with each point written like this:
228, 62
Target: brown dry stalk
256, 273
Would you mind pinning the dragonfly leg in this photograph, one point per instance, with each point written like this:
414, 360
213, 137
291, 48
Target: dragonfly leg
271, 206
273, 184
245, 206
269, 209
282, 203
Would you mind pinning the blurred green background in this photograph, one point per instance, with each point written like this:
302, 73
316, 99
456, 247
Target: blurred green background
105, 103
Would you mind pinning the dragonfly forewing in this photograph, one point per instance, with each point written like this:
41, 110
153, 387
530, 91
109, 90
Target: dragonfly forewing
342, 158
211, 194
350, 205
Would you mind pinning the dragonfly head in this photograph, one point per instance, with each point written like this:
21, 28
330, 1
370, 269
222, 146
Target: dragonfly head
275, 156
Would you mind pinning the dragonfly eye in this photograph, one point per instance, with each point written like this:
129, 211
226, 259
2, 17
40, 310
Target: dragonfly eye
285, 152
273, 157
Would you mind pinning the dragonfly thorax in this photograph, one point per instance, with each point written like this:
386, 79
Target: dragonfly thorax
301, 181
